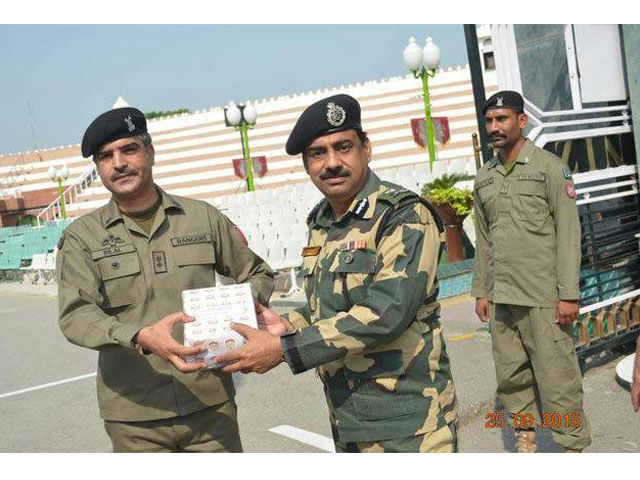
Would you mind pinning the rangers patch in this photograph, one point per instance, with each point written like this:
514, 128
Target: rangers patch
484, 183
571, 190
191, 239
537, 177
241, 235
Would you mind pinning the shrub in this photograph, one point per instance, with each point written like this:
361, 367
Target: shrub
459, 200
448, 180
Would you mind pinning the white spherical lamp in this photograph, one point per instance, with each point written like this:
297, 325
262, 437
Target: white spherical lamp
431, 54
412, 55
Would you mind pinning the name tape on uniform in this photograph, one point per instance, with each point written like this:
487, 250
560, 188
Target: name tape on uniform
109, 252
311, 251
191, 239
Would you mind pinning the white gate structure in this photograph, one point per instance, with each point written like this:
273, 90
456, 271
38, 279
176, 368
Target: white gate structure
576, 71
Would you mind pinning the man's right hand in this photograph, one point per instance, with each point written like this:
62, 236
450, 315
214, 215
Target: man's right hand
482, 309
157, 339
271, 322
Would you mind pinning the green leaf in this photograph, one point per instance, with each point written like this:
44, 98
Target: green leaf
460, 200
448, 180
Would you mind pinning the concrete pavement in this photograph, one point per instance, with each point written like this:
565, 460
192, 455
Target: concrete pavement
39, 415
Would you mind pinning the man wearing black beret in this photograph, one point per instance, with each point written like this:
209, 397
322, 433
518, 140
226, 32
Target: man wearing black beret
526, 279
371, 326
121, 271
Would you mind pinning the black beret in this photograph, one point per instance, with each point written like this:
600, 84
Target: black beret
329, 115
113, 125
504, 99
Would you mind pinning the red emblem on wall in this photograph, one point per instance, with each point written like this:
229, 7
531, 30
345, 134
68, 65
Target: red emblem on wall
440, 129
259, 167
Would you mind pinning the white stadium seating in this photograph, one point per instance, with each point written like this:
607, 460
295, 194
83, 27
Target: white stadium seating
194, 153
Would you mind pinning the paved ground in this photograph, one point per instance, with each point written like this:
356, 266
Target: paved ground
63, 417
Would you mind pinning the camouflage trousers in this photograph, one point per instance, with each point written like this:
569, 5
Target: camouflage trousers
538, 376
443, 440
212, 429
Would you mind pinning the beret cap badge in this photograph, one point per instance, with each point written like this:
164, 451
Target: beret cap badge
130, 125
112, 125
335, 114
326, 116
504, 99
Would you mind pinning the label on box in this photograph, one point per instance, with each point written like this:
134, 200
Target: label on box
214, 309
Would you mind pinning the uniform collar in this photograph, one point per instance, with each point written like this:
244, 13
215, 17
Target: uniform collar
525, 155
369, 192
112, 213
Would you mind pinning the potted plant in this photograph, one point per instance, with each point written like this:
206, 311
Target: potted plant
453, 205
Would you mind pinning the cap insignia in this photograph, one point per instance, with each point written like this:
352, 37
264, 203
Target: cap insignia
335, 114
499, 102
130, 124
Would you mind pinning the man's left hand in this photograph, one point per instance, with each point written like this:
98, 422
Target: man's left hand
567, 311
261, 352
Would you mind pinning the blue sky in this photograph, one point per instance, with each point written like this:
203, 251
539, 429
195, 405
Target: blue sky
56, 78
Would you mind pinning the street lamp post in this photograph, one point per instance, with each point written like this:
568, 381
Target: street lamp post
423, 63
242, 118
59, 176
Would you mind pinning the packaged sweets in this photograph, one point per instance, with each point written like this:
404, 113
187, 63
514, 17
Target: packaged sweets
214, 309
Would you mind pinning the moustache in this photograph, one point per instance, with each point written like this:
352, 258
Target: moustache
328, 174
496, 136
118, 175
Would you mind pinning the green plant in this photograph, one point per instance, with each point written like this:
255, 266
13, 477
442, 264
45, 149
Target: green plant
448, 180
459, 200
28, 220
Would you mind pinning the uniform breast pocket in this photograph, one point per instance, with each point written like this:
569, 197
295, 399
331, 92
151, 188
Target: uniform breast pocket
121, 279
353, 272
487, 194
195, 265
377, 392
530, 200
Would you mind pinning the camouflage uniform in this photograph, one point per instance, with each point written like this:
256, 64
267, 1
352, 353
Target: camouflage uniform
371, 325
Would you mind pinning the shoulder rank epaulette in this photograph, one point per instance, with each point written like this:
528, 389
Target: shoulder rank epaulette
394, 195
312, 214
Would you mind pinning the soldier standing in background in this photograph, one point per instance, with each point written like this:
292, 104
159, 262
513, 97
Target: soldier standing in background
122, 268
526, 279
371, 325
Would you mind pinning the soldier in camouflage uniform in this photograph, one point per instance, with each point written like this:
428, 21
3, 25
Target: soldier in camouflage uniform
526, 278
371, 325
121, 271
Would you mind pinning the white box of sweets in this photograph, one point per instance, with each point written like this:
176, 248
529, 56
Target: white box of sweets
214, 309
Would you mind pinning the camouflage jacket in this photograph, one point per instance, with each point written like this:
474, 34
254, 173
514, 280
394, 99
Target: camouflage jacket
371, 324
